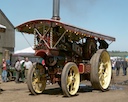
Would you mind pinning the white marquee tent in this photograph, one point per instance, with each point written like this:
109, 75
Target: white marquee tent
25, 52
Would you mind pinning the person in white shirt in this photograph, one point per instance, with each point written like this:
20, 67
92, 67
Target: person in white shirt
27, 65
18, 70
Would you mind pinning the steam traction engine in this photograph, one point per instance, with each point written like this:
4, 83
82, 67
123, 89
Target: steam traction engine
71, 54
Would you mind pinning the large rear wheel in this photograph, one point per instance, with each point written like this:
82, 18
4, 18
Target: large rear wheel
36, 79
70, 79
101, 70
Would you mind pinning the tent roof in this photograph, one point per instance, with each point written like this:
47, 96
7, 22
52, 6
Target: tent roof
27, 51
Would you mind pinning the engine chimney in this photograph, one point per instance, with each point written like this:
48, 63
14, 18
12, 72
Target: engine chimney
56, 7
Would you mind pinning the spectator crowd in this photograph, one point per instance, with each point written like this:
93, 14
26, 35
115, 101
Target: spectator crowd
20, 69
118, 64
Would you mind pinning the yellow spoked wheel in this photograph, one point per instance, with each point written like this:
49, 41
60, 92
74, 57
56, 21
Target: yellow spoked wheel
36, 79
101, 70
70, 79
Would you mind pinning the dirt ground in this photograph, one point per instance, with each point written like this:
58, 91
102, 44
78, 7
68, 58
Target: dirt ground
19, 92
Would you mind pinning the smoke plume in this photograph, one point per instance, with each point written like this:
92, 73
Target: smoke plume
77, 8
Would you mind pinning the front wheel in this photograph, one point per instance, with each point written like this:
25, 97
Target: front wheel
101, 70
70, 79
36, 79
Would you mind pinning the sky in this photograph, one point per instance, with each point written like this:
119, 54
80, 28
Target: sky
109, 17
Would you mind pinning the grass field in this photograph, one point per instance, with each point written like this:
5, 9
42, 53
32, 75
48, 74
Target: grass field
118, 53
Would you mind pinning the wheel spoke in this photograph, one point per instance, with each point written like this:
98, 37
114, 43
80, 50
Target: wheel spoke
71, 80
70, 86
102, 79
70, 77
103, 72
100, 68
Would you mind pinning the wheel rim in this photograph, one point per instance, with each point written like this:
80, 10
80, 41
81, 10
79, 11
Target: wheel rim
104, 70
72, 80
38, 79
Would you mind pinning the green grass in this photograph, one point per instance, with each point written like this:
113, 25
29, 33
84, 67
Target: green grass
118, 53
